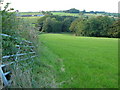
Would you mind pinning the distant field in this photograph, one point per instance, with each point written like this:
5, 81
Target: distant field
65, 14
74, 14
29, 13
31, 19
81, 62
34, 19
61, 14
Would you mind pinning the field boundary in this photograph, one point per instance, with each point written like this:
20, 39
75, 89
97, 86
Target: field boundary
25, 52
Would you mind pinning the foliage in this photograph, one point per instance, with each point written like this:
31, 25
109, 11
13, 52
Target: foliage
17, 28
66, 24
55, 23
95, 26
77, 26
72, 10
9, 26
51, 25
22, 30
46, 13
114, 30
40, 22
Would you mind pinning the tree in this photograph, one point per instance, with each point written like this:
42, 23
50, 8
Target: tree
46, 13
55, 23
47, 25
52, 25
66, 24
114, 30
41, 21
105, 23
95, 26
92, 27
73, 26
78, 26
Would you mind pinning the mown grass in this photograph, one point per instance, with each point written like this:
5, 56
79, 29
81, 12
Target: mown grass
81, 62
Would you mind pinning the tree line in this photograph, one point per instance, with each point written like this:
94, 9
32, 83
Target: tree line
74, 10
55, 23
100, 26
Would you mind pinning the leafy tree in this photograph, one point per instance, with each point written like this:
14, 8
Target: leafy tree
114, 30
105, 23
46, 25
51, 25
40, 22
92, 27
73, 26
95, 26
46, 13
78, 26
55, 23
66, 24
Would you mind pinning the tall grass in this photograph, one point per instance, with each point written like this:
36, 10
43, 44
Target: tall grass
22, 75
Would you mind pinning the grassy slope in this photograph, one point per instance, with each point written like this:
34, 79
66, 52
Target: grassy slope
86, 62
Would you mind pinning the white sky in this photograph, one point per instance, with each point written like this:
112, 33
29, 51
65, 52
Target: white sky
46, 5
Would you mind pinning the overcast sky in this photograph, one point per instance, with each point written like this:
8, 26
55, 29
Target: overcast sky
46, 5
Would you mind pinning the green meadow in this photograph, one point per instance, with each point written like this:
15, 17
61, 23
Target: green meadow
81, 62
75, 14
65, 14
30, 19
29, 13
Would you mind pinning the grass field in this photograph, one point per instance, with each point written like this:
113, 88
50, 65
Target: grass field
81, 62
65, 14
29, 13
31, 19
75, 14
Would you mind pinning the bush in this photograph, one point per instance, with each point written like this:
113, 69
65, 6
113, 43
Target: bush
17, 28
20, 29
